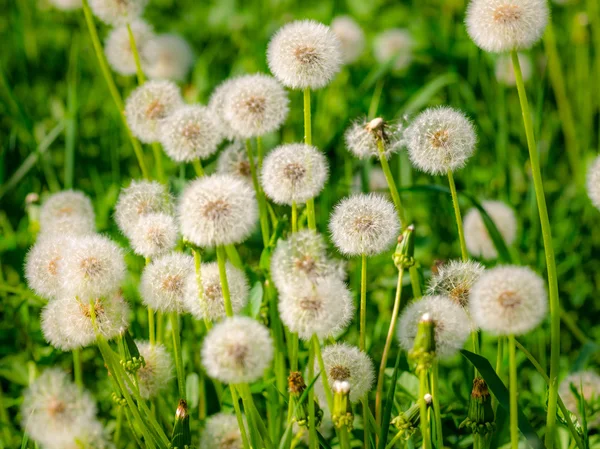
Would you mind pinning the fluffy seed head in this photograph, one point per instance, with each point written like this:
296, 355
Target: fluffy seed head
168, 57
440, 139
217, 103
67, 213
210, 304
479, 243
118, 47
294, 172
42, 266
155, 375
155, 234
162, 285
504, 69
237, 350
221, 431
233, 160
452, 324
508, 300
394, 44
66, 5
504, 25
217, 210
363, 135
454, 280
190, 133
149, 105
587, 384
364, 224
255, 105
118, 12
593, 182
304, 54
350, 36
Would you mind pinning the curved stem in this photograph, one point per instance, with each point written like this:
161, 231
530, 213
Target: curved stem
363, 302
424, 416
459, 225
512, 368
136, 56
260, 196
177, 352
197, 164
390, 181
238, 414
221, 261
324, 379
436, 404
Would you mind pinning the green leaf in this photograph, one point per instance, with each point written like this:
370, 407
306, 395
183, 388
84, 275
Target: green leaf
389, 404
192, 389
252, 309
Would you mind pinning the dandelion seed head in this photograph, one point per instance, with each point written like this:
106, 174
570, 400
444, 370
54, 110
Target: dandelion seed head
168, 57
362, 136
396, 44
233, 160
221, 431
42, 266
162, 285
587, 384
479, 243
155, 234
454, 280
217, 104
67, 213
118, 46
504, 69
350, 36
155, 375
118, 12
593, 182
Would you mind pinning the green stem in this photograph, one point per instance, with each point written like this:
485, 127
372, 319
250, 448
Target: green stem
374, 105
260, 197
514, 417
459, 225
151, 332
363, 303
77, 367
324, 378
239, 416
136, 56
294, 217
160, 172
294, 351
366, 424
310, 204
393, 441
415, 281
251, 410
424, 417
197, 164
436, 404
221, 260
177, 352
344, 438
390, 181
312, 426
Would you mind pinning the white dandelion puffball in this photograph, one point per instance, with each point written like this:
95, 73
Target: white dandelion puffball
55, 412
42, 266
454, 280
351, 37
505, 25
504, 70
139, 199
508, 300
362, 138
440, 139
255, 105
92, 436
155, 375
345, 363
118, 47
237, 350
587, 384
67, 213
149, 105
479, 243
593, 182
323, 308
190, 133
118, 12
221, 431
294, 173
210, 305
233, 160
394, 44
364, 224
168, 57
92, 266
162, 285
66, 5
217, 210
155, 234
304, 55
452, 325
217, 103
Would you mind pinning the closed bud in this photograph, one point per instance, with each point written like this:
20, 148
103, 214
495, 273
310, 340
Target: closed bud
480, 419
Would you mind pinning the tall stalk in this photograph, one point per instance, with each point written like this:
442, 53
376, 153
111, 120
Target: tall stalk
178, 355
312, 426
512, 368
459, 225
363, 302
424, 420
260, 196
436, 404
221, 261
310, 204
385, 166
77, 372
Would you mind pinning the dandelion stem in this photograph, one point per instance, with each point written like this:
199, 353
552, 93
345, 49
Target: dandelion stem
459, 225
310, 204
363, 302
136, 56
151, 333
177, 352
221, 260
238, 414
366, 424
157, 152
324, 379
294, 217
260, 196
424, 416
294, 352
436, 404
390, 181
512, 365
312, 426
197, 164
77, 367
344, 437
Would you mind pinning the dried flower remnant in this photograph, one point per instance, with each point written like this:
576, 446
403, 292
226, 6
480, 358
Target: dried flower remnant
363, 135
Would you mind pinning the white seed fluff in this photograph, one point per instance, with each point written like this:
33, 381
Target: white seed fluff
42, 266
237, 350
504, 25
221, 431
67, 213
255, 105
190, 133
168, 57
149, 105
361, 138
162, 286
233, 160
587, 384
210, 304
452, 324
504, 70
440, 139
364, 224
217, 103
304, 54
118, 12
118, 47
454, 280
394, 44
294, 173
155, 234
593, 182
351, 37
217, 210
478, 240
155, 375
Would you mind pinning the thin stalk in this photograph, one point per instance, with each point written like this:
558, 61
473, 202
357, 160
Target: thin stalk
436, 404
197, 164
374, 104
499, 355
77, 372
310, 204
157, 152
363, 303
393, 441
312, 426
251, 409
238, 414
294, 351
424, 416
294, 217
177, 352
151, 327
221, 259
344, 438
198, 270
324, 378
390, 181
260, 196
136, 56
512, 368
366, 425
415, 281
459, 225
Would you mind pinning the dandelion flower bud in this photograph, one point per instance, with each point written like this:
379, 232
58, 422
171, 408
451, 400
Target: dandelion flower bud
233, 160
351, 37
394, 44
587, 385
157, 371
42, 266
505, 25
67, 213
363, 135
479, 243
454, 280
148, 106
162, 285
237, 350
364, 224
190, 133
294, 173
255, 105
304, 54
505, 73
345, 363
154, 235
593, 182
66, 5
440, 139
210, 305
118, 46
217, 104
508, 300
221, 431
118, 12
168, 57
217, 210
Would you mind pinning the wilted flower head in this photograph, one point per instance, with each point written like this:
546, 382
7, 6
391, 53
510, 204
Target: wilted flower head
255, 105
190, 133
587, 385
118, 12
593, 182
217, 210
217, 104
66, 5
508, 300
118, 46
304, 54
451, 323
394, 44
364, 224
233, 160
454, 280
237, 350
149, 105
168, 57
505, 73
155, 375
42, 266
505, 25
440, 139
210, 304
363, 135
479, 243
351, 37
162, 285
155, 234
67, 213
221, 431
294, 173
